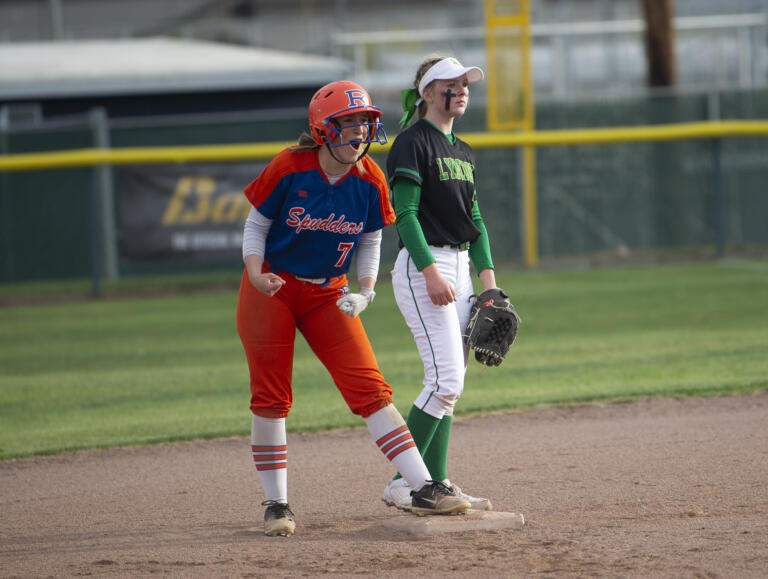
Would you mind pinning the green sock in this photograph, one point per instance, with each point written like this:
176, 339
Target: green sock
422, 427
436, 457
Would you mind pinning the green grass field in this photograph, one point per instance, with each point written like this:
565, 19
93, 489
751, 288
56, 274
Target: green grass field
111, 372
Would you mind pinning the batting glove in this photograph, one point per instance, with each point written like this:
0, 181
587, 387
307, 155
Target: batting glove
353, 304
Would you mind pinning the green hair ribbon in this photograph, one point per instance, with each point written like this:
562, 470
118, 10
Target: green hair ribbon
409, 97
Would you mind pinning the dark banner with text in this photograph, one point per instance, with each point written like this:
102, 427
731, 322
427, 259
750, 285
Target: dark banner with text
186, 211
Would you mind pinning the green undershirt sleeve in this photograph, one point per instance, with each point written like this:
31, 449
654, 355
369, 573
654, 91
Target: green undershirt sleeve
406, 196
480, 249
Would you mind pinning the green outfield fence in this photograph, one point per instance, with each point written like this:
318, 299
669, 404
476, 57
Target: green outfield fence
645, 176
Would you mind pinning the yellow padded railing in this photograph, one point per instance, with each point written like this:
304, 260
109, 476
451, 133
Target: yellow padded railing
485, 140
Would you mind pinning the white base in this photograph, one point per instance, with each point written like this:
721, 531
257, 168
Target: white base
471, 521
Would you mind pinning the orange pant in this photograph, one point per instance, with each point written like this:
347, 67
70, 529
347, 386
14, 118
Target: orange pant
267, 328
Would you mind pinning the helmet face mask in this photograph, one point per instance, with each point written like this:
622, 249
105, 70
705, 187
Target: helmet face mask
373, 132
340, 99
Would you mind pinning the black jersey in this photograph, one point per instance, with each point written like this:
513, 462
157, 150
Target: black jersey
446, 174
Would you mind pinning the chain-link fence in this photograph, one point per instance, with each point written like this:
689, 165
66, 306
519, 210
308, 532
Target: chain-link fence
616, 198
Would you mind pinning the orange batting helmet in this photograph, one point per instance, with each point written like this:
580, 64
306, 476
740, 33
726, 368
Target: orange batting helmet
341, 98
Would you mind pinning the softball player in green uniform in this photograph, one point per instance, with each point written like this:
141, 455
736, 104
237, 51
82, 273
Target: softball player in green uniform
431, 174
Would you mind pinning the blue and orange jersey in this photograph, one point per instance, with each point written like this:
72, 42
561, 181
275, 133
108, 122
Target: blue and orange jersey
316, 226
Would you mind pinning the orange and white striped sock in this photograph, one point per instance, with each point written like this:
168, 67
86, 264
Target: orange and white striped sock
270, 456
394, 440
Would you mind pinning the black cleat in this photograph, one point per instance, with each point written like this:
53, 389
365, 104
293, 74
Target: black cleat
436, 498
278, 519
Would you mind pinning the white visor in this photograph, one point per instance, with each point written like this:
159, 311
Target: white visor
449, 68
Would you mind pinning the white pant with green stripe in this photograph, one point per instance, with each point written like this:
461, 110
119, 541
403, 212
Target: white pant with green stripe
437, 330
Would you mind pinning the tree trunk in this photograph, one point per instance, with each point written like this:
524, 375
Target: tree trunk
660, 42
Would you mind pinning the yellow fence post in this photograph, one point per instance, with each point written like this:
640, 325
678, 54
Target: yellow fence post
510, 99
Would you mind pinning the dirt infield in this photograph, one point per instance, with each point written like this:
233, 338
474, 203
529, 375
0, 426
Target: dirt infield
662, 488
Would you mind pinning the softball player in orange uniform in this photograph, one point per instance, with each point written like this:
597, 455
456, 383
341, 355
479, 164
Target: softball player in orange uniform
315, 206
432, 176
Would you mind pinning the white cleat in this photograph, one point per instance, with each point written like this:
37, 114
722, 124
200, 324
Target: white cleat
478, 503
397, 494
